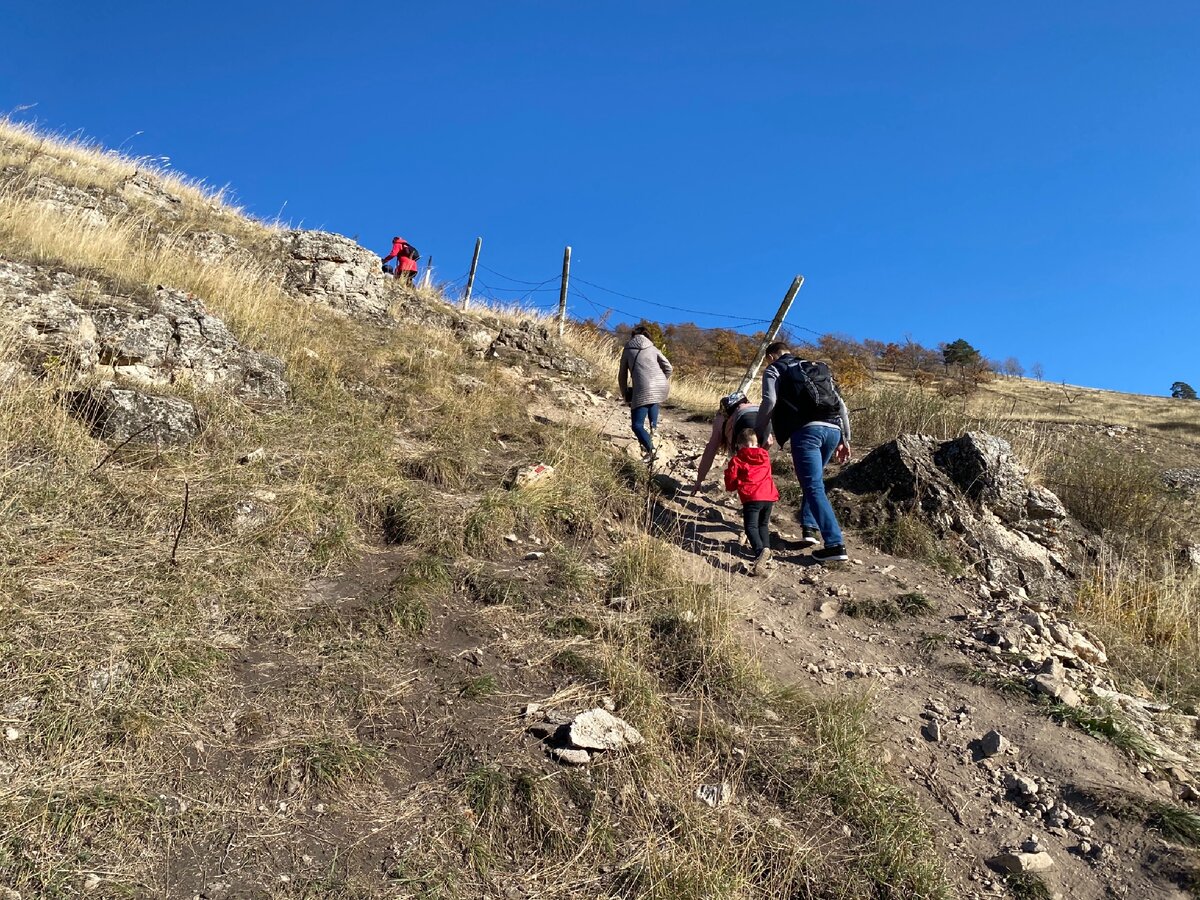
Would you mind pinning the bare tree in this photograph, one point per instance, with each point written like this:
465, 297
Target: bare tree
1013, 367
1037, 371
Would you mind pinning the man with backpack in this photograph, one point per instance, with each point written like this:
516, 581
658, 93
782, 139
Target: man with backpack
801, 404
406, 257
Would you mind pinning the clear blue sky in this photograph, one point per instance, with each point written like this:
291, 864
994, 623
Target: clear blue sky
1026, 177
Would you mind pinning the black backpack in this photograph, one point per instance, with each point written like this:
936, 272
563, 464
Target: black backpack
411, 252
807, 387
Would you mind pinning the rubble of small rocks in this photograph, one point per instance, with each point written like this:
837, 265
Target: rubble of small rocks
973, 492
574, 740
1186, 481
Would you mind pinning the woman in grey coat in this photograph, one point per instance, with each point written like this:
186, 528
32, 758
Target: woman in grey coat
649, 370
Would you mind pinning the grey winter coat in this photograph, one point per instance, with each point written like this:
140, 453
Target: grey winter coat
649, 370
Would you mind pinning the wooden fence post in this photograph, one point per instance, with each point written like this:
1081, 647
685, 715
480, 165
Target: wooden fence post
471, 276
562, 292
776, 324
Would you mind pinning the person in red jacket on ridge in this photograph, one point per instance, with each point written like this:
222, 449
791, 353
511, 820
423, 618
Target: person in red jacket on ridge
749, 473
406, 267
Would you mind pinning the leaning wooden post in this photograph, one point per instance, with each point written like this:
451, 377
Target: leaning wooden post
562, 292
776, 324
427, 279
471, 274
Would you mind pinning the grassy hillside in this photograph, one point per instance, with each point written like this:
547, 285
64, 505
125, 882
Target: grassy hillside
290, 658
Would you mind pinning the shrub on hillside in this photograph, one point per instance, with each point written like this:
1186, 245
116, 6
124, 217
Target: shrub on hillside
1113, 493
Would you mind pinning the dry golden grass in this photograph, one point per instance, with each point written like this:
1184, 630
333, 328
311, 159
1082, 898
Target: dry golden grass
1038, 401
199, 700
1149, 611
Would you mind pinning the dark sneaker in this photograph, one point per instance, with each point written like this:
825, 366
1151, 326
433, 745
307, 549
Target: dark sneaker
811, 538
836, 553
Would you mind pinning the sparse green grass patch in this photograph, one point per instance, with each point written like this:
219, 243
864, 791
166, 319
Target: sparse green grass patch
478, 687
890, 609
906, 535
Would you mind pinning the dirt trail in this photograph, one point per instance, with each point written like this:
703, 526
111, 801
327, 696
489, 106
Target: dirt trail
917, 671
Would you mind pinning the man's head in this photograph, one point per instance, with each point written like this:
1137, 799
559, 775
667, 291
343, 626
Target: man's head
746, 438
397, 240
776, 349
641, 331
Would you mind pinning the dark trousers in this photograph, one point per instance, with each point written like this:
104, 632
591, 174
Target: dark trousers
756, 516
406, 275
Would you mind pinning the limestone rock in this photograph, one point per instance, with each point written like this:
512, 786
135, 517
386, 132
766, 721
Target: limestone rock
973, 495
570, 756
526, 476
119, 414
1020, 862
333, 270
531, 341
78, 327
715, 795
88, 206
598, 729
1021, 785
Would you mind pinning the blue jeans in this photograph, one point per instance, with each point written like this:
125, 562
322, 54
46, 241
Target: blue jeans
812, 448
639, 424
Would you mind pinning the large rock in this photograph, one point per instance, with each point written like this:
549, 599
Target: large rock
972, 492
530, 341
82, 329
119, 414
333, 270
598, 729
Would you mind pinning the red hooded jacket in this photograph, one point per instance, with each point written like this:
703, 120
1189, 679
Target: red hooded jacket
403, 262
749, 473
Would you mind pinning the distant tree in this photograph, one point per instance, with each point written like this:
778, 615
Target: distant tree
960, 353
1181, 390
1037, 371
726, 349
1013, 367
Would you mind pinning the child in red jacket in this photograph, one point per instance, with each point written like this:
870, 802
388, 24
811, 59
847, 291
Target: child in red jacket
749, 473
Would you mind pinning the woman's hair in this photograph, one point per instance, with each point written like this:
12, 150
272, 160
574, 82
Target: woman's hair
746, 438
640, 330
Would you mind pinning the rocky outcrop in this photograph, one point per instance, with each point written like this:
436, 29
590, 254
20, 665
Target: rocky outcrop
530, 341
91, 205
119, 414
973, 492
334, 271
76, 325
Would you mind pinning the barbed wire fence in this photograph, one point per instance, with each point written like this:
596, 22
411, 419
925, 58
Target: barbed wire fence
538, 295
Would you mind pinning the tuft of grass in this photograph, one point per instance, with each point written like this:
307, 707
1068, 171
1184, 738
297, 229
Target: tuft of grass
907, 536
1175, 823
1104, 721
886, 411
1147, 610
477, 688
328, 761
891, 609
1027, 886
930, 641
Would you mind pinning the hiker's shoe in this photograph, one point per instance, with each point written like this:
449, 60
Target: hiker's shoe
836, 553
761, 561
811, 538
